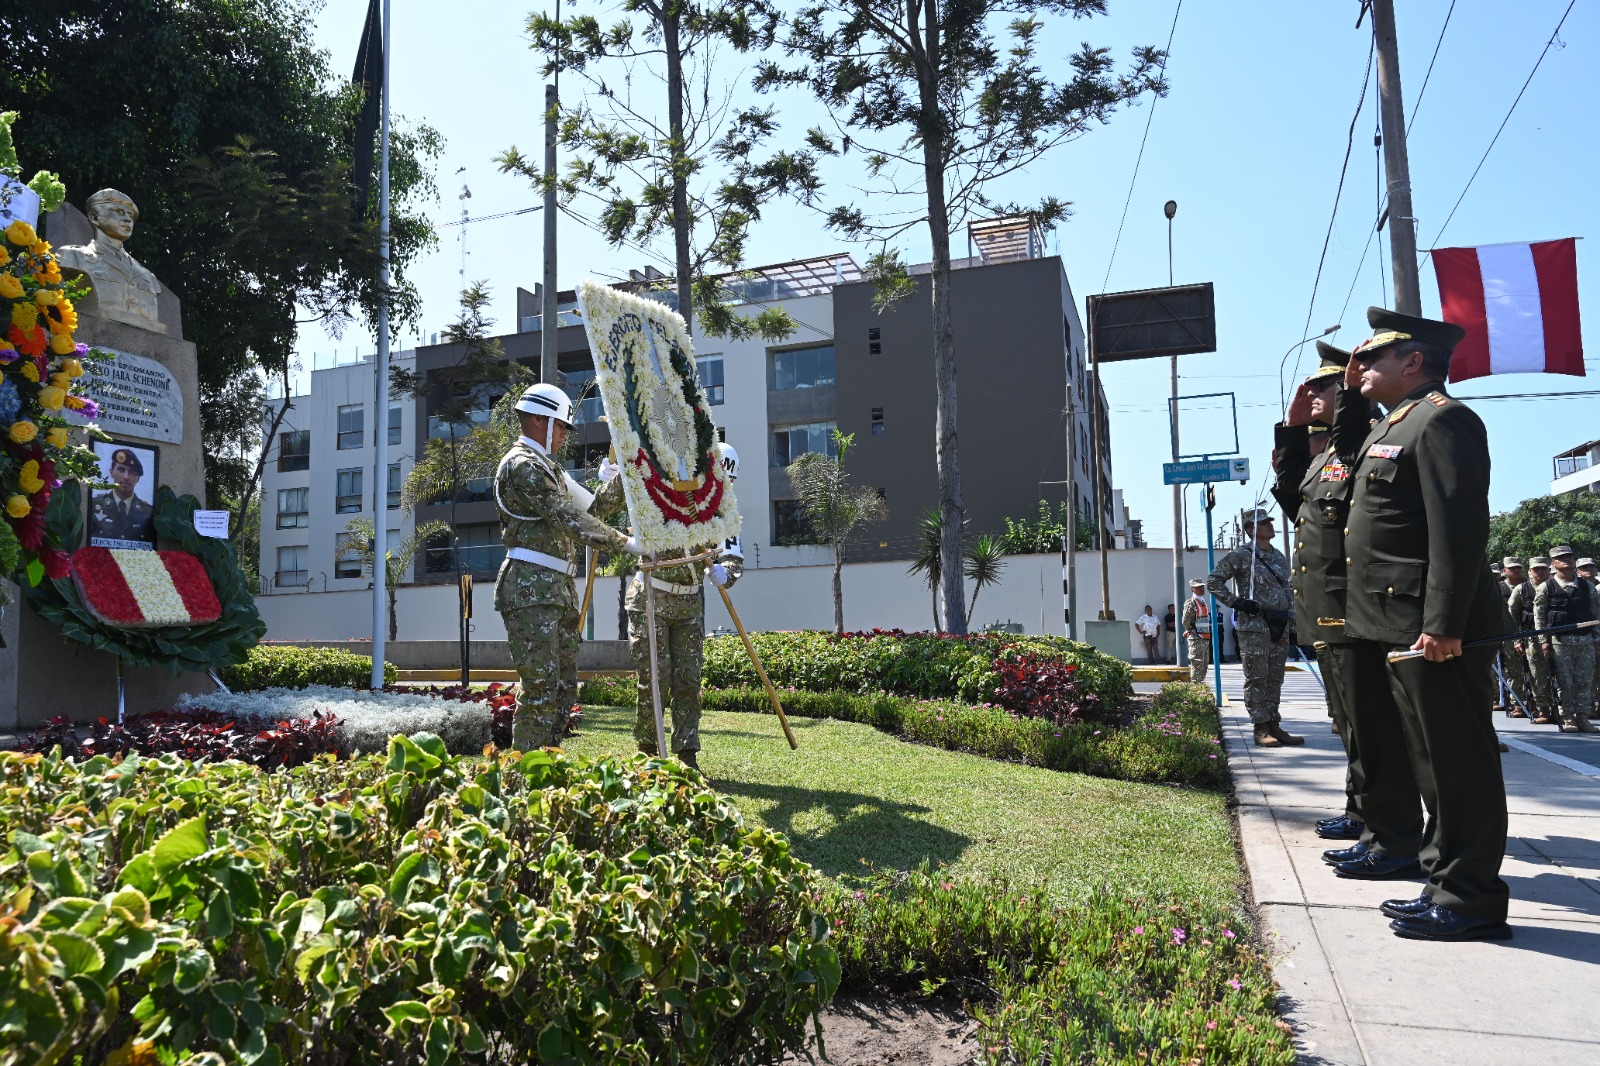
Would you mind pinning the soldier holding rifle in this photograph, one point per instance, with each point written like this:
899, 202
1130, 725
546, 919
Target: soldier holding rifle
1263, 600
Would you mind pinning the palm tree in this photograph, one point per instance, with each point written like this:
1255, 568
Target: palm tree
361, 535
926, 562
986, 557
834, 507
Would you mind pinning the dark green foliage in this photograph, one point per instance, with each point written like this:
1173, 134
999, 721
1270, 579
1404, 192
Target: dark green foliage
1043, 532
282, 666
1539, 524
212, 646
412, 909
1109, 980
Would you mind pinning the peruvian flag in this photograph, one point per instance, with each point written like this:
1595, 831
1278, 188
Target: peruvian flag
144, 589
1518, 304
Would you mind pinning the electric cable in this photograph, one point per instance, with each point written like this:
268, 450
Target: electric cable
1417, 103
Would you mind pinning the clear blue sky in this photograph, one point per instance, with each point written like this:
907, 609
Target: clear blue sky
1249, 143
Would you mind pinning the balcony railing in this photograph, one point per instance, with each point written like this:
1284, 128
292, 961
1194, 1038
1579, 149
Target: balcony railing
1571, 464
286, 579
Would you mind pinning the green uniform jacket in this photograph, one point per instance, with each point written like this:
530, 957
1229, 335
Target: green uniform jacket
538, 514
110, 521
1316, 491
1419, 521
607, 502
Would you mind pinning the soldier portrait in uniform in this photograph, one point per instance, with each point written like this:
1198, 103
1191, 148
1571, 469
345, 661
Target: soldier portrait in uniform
123, 515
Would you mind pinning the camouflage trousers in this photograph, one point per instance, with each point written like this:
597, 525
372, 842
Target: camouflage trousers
544, 648
1574, 663
680, 649
1199, 656
1263, 660
1514, 665
1544, 693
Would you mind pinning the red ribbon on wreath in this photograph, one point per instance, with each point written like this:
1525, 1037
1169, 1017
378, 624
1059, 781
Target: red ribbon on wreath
686, 508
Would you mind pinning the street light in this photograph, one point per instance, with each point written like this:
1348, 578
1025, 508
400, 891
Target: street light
1170, 208
1283, 397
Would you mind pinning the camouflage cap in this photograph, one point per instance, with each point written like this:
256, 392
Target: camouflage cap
1561, 549
1252, 516
1511, 560
1196, 583
129, 458
1538, 562
1586, 561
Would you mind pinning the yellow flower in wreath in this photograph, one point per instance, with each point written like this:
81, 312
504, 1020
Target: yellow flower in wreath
28, 477
58, 437
23, 431
30, 371
20, 233
51, 398
24, 316
62, 343
5, 257
10, 286
50, 275
46, 297
18, 507
61, 381
39, 247
71, 367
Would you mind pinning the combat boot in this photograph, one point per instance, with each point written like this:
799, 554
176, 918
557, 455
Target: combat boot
1578, 725
1265, 737
1277, 732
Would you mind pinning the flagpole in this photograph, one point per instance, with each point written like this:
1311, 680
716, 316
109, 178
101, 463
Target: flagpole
380, 418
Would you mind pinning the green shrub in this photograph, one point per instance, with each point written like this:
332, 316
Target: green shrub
1156, 748
920, 665
1110, 980
409, 909
280, 666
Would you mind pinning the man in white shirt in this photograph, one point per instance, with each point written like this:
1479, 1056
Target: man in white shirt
1149, 627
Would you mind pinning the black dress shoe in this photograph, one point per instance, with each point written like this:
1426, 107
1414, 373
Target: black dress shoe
1406, 908
1343, 829
1350, 854
1441, 923
1375, 867
1330, 821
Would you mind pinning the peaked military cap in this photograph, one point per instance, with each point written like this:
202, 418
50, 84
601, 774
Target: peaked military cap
1510, 561
129, 458
1391, 327
1560, 550
1334, 360
1538, 562
1253, 516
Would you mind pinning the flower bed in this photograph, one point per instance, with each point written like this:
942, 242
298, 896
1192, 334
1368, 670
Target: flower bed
366, 720
411, 908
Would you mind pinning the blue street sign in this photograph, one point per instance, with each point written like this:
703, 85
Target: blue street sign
1205, 471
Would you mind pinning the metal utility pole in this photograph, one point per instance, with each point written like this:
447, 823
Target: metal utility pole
1106, 614
1170, 208
380, 418
1069, 547
1397, 168
547, 313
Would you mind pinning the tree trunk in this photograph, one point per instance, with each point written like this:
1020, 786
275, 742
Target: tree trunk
951, 511
838, 588
973, 606
680, 176
934, 590
261, 462
394, 621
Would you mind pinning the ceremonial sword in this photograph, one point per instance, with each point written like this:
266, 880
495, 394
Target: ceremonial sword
1399, 656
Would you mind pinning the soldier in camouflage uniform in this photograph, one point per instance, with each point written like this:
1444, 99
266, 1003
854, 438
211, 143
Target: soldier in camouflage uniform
1520, 604
1263, 603
1590, 572
1513, 657
544, 517
1567, 599
680, 631
1197, 630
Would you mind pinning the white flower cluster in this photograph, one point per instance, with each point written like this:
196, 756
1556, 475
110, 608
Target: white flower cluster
661, 410
152, 587
366, 719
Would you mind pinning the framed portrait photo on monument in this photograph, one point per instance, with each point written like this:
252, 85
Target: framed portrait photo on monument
123, 515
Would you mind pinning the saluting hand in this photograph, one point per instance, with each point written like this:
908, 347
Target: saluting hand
1437, 649
1299, 413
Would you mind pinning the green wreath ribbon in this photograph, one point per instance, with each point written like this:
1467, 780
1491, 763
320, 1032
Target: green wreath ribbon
212, 646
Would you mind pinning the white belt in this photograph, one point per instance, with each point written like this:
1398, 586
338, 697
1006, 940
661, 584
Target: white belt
528, 555
668, 586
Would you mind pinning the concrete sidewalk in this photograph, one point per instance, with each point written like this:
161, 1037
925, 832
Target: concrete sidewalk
1357, 994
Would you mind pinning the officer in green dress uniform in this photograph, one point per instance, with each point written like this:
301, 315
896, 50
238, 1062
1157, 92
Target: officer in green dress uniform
120, 514
544, 517
1416, 579
1313, 484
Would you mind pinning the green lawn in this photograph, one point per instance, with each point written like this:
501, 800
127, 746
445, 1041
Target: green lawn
852, 795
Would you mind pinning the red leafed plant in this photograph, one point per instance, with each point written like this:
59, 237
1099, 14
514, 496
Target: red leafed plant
1035, 687
198, 735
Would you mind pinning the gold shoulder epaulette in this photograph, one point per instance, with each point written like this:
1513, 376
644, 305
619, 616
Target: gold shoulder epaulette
1438, 399
1401, 411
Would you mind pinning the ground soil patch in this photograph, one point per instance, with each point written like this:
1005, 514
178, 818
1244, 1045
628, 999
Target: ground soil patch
885, 1031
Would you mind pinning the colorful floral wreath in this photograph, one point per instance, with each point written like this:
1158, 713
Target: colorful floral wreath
679, 497
41, 379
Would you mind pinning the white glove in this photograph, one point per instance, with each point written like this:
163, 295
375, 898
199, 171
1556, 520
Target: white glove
632, 547
719, 574
609, 470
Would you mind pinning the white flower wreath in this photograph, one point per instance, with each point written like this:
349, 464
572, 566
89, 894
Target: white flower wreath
679, 498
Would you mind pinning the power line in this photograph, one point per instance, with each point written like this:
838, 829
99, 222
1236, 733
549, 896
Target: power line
1417, 103
1149, 118
1513, 107
491, 218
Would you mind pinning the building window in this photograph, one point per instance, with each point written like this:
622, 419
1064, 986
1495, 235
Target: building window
394, 424
710, 370
394, 486
790, 525
294, 450
348, 498
352, 420
346, 556
802, 368
585, 396
791, 442
874, 337
291, 567
294, 508
480, 547
877, 421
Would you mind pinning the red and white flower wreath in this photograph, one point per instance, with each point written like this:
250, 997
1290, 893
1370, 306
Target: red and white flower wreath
145, 589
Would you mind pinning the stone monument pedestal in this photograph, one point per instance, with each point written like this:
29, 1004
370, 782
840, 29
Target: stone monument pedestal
42, 673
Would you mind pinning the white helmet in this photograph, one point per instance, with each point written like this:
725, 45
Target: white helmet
729, 460
546, 400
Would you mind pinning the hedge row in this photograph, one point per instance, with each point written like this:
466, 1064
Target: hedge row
287, 666
417, 908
